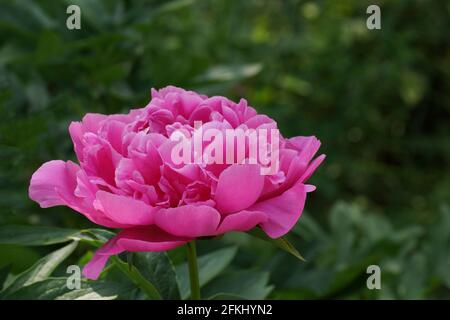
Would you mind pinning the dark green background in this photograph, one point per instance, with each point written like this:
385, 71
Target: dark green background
379, 100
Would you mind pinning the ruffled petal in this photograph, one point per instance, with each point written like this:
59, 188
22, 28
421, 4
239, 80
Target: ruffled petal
242, 221
149, 239
55, 183
283, 211
306, 146
48, 181
312, 167
94, 267
125, 210
91, 123
188, 221
239, 187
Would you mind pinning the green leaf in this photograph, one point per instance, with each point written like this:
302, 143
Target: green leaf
174, 5
36, 13
230, 73
19, 257
137, 278
281, 242
248, 284
41, 270
157, 268
209, 265
226, 296
94, 237
56, 289
47, 289
98, 290
35, 236
4, 272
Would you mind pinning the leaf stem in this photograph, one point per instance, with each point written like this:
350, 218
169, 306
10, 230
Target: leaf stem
137, 278
127, 268
193, 270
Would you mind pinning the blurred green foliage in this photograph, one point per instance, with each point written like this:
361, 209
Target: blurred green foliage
378, 99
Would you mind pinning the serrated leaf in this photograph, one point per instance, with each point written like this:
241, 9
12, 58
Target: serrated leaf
209, 265
35, 236
41, 270
281, 242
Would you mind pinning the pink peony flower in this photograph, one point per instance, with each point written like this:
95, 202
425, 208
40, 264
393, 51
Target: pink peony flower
126, 178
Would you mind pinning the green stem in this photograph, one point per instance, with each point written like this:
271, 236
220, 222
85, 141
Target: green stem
130, 271
137, 278
193, 270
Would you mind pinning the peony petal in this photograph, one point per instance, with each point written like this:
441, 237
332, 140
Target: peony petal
293, 167
76, 133
230, 115
100, 161
239, 187
144, 153
49, 178
126, 210
312, 167
242, 221
91, 123
201, 113
259, 120
55, 184
188, 221
307, 146
149, 239
283, 211
113, 131
94, 267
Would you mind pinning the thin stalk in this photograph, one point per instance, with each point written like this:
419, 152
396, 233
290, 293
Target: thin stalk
137, 278
193, 270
